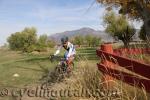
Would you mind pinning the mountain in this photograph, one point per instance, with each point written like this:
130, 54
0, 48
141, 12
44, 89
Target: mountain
82, 32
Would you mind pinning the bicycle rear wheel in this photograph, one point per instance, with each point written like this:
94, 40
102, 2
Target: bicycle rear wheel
70, 70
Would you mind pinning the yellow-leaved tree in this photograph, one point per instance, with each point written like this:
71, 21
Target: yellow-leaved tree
137, 9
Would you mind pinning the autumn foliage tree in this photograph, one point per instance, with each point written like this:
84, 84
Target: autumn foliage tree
136, 9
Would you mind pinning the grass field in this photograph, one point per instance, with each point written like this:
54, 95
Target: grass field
31, 68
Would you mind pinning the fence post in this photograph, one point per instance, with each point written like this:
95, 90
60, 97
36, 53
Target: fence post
108, 80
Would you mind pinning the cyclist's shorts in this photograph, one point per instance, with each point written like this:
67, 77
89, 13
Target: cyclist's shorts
66, 53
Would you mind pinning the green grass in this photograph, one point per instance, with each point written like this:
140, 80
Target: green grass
30, 67
89, 53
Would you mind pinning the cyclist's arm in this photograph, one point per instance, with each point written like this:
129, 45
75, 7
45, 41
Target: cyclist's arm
57, 51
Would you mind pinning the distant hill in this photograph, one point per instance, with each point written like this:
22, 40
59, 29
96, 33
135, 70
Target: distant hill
82, 32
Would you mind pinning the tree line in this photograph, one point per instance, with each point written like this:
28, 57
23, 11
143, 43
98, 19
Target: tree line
87, 40
28, 41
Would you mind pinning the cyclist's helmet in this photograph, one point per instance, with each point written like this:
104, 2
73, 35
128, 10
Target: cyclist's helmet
64, 40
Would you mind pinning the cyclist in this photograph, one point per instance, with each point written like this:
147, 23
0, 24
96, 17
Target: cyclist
70, 52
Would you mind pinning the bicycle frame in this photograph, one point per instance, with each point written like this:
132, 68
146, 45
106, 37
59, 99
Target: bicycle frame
62, 61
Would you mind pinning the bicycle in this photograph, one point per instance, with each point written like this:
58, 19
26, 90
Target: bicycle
60, 71
62, 68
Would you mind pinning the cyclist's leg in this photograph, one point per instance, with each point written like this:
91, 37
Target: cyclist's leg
69, 62
65, 56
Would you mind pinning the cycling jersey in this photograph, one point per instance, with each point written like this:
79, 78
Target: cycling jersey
70, 50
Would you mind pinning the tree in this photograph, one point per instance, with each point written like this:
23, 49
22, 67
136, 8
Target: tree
24, 40
51, 43
118, 26
136, 9
88, 40
42, 43
29, 39
95, 41
15, 41
78, 40
92, 40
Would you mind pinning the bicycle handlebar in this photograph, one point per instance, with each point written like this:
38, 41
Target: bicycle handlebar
57, 58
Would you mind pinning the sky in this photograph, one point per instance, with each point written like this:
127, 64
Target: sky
49, 16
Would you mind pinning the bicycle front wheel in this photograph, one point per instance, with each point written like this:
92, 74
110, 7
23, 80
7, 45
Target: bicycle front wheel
59, 74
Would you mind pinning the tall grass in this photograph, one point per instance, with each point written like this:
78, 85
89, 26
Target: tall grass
88, 77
